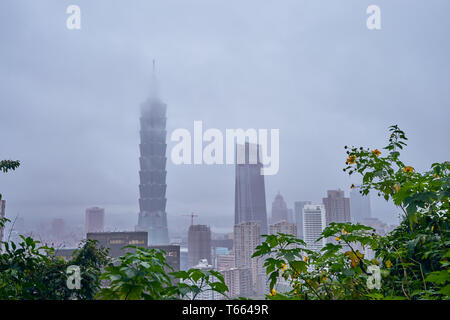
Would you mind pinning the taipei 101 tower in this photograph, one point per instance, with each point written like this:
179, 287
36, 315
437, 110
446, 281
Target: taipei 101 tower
152, 176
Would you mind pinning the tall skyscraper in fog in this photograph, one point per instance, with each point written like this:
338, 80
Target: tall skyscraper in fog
279, 209
250, 193
152, 174
359, 206
298, 207
337, 206
95, 219
199, 244
314, 221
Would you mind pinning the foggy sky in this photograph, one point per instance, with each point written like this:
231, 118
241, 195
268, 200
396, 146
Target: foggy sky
69, 100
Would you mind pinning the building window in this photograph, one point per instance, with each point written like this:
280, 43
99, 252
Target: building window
116, 241
136, 242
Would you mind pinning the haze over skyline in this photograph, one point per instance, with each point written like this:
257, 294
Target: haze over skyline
69, 100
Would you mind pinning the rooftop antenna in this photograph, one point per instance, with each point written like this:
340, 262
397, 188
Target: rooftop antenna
154, 84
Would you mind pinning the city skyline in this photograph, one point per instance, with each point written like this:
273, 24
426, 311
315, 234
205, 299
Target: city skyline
75, 130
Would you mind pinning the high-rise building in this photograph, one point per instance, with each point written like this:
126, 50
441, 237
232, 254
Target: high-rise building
222, 243
225, 261
359, 206
2, 215
283, 227
291, 218
247, 237
95, 219
184, 264
314, 221
116, 241
337, 206
238, 281
298, 206
152, 174
199, 244
250, 194
279, 209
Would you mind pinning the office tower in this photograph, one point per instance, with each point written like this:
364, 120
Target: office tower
2, 215
216, 252
222, 243
184, 258
152, 174
314, 221
57, 229
359, 206
250, 194
219, 251
220, 247
337, 206
298, 205
199, 244
283, 227
226, 261
247, 237
116, 241
238, 281
279, 209
291, 216
95, 219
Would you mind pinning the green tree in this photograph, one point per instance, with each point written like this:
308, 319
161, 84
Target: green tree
417, 251
7, 165
413, 258
145, 274
29, 271
91, 259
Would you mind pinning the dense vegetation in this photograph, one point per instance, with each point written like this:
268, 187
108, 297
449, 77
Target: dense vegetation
411, 262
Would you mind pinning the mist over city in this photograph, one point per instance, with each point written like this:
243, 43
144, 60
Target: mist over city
81, 110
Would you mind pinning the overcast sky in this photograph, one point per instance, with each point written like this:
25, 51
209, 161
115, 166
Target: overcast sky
69, 99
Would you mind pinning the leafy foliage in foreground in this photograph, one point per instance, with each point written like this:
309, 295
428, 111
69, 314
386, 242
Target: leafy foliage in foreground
413, 259
30, 271
144, 274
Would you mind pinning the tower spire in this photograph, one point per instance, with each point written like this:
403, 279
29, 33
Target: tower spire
154, 88
154, 73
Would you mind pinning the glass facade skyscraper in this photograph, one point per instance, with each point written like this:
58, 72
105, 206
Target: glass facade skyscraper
250, 193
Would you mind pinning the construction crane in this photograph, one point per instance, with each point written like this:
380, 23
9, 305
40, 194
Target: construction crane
192, 215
